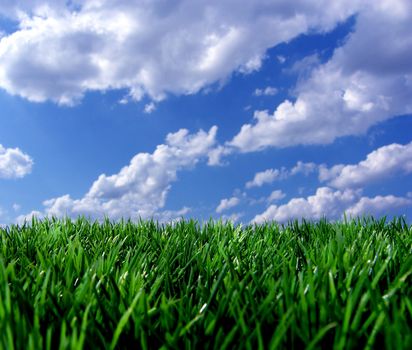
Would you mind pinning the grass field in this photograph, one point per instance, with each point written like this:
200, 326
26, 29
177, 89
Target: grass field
80, 284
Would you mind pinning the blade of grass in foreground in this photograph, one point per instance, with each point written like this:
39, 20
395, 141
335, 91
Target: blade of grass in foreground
82, 284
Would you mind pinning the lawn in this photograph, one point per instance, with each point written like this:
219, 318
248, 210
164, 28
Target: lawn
83, 284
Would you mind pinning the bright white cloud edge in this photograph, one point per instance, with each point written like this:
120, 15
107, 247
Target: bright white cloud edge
348, 181
151, 49
140, 189
227, 203
350, 92
332, 204
14, 163
384, 162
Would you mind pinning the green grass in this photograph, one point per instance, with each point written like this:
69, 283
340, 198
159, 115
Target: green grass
73, 285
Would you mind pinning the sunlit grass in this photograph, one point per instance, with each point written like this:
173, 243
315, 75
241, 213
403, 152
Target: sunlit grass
73, 285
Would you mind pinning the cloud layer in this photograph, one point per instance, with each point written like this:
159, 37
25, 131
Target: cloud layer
14, 163
64, 49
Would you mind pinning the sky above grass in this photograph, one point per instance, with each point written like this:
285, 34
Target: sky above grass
272, 110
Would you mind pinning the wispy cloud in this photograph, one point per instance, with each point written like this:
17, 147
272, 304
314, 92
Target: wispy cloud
267, 91
270, 175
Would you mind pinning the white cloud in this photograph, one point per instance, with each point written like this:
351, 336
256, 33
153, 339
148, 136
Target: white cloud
64, 49
384, 162
216, 155
267, 91
266, 177
378, 205
368, 80
171, 215
14, 163
303, 168
235, 217
304, 66
227, 203
140, 189
325, 202
149, 108
275, 196
332, 204
270, 175
16, 207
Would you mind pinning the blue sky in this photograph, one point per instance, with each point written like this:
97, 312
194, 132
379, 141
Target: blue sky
268, 111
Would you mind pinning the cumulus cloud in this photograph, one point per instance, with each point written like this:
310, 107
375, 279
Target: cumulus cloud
14, 163
367, 80
378, 205
330, 203
384, 162
216, 155
227, 203
303, 168
140, 189
266, 177
64, 49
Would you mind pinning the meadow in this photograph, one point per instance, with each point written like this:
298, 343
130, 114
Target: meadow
112, 285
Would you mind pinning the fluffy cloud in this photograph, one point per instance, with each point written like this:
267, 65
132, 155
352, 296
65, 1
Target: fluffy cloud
303, 168
64, 49
14, 163
377, 205
331, 204
140, 189
149, 108
368, 80
276, 195
227, 203
266, 177
216, 155
270, 175
382, 163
